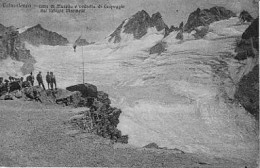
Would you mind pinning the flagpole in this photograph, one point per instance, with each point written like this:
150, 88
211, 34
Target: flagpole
83, 65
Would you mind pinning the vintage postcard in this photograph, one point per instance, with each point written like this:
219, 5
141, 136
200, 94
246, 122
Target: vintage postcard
129, 83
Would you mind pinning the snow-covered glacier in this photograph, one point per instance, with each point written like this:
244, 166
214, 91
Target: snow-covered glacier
179, 99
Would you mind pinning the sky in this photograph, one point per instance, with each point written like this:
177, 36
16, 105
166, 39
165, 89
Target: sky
96, 24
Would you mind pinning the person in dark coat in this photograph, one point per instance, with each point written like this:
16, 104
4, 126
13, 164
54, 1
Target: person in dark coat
1, 82
48, 79
39, 79
30, 79
7, 85
53, 81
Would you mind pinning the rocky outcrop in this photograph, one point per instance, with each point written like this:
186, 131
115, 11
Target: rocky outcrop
86, 89
37, 35
243, 46
173, 28
158, 48
157, 22
179, 36
155, 146
245, 16
101, 118
247, 92
200, 32
83, 42
206, 16
137, 25
12, 46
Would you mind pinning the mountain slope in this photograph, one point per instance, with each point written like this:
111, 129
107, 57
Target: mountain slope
37, 35
247, 92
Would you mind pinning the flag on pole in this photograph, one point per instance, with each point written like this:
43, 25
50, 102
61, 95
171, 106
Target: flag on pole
76, 43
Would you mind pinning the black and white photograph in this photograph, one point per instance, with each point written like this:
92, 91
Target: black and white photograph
129, 83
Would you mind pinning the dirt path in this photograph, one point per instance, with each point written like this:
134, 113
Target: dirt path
33, 134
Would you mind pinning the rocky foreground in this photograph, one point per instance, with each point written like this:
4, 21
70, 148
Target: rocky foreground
98, 117
36, 134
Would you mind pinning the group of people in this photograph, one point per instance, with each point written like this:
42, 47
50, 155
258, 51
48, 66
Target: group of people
5, 83
50, 79
11, 84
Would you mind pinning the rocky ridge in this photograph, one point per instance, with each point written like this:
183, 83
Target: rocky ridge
138, 25
37, 35
247, 91
245, 16
206, 16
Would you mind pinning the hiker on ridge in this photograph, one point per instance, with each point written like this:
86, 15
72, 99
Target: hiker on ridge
48, 79
39, 79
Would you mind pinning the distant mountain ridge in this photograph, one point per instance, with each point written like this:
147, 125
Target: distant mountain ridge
206, 16
138, 25
37, 35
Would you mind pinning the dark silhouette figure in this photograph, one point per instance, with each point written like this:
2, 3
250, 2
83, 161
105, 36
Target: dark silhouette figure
48, 79
40, 81
30, 79
53, 81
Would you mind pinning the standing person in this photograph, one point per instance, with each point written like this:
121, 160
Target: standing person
48, 79
2, 85
7, 86
39, 79
1, 82
53, 81
21, 83
30, 79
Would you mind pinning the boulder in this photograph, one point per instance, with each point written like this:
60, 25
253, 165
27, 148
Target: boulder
86, 90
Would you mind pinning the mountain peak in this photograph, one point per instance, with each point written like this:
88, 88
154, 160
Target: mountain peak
206, 16
37, 35
138, 25
157, 15
38, 26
